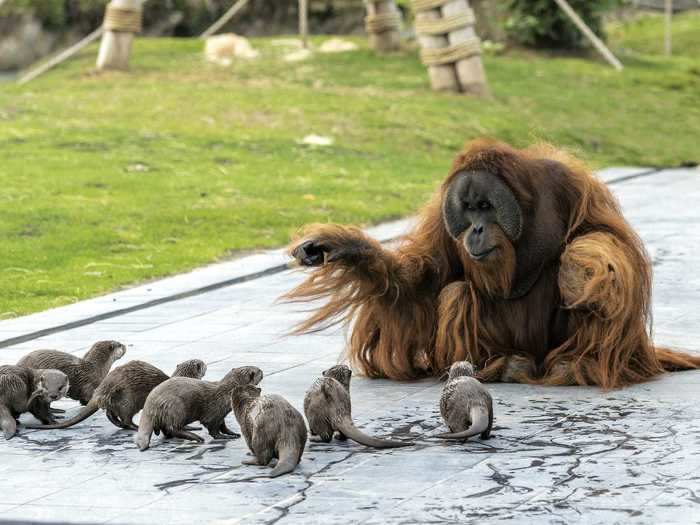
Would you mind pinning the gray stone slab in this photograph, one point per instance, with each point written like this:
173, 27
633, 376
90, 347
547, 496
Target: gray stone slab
558, 455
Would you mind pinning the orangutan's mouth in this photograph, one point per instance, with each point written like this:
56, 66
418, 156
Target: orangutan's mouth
482, 255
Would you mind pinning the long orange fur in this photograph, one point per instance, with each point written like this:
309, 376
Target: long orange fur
417, 309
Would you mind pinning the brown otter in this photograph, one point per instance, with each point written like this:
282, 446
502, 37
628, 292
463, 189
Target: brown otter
180, 401
465, 404
84, 374
20, 387
122, 394
328, 408
272, 428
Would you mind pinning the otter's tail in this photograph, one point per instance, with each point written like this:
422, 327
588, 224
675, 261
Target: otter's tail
673, 361
143, 437
288, 460
350, 430
84, 413
480, 422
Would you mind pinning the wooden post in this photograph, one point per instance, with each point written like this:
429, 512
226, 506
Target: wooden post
61, 57
304, 23
470, 71
668, 12
442, 76
225, 18
597, 42
449, 46
383, 22
122, 21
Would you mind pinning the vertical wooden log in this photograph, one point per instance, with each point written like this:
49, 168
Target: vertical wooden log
470, 70
668, 16
304, 23
442, 77
118, 36
487, 14
384, 39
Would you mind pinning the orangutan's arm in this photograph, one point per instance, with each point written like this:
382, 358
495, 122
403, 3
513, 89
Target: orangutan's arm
352, 269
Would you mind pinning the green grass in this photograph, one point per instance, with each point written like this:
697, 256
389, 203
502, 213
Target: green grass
111, 179
645, 34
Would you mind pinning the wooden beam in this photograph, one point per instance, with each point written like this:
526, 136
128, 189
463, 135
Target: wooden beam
61, 57
597, 42
304, 23
225, 18
668, 16
122, 21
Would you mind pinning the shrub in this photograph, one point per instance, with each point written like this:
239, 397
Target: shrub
543, 24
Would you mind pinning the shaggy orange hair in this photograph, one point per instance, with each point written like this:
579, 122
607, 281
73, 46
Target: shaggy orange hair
417, 309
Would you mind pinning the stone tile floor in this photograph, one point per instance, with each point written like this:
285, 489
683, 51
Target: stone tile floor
558, 455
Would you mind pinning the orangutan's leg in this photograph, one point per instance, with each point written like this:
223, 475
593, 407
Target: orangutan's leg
519, 368
457, 340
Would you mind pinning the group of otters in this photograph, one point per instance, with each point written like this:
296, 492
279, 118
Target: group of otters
271, 426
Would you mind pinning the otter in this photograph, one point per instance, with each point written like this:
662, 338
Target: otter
122, 394
84, 374
180, 401
328, 408
465, 404
272, 428
20, 387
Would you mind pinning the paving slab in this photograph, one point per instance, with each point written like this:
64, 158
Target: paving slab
558, 455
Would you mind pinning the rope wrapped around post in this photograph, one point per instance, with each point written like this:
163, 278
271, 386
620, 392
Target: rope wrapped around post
122, 19
450, 54
445, 25
449, 45
383, 24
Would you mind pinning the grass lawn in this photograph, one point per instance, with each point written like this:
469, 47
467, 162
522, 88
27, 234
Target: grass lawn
107, 180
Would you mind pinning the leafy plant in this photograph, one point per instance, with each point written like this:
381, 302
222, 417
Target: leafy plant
543, 24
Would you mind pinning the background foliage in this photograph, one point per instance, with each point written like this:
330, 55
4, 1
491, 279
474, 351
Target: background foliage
543, 24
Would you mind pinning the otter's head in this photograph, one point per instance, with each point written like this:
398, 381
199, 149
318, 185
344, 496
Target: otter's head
340, 373
461, 368
243, 394
194, 368
51, 385
243, 375
105, 352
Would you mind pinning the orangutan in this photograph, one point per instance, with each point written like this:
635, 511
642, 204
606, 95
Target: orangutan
521, 263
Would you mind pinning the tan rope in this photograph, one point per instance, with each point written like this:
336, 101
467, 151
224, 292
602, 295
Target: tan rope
425, 5
450, 54
382, 22
447, 24
122, 19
